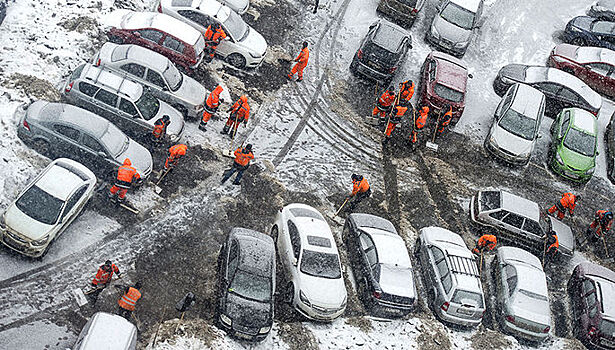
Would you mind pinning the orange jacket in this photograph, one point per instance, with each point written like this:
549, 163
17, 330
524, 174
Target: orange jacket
407, 91
303, 57
399, 113
177, 151
213, 100
103, 276
359, 186
129, 300
568, 201
243, 156
554, 245
488, 241
159, 128
446, 118
386, 99
241, 109
125, 174
215, 37
421, 120
601, 219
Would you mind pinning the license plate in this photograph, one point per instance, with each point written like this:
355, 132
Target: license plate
465, 312
241, 335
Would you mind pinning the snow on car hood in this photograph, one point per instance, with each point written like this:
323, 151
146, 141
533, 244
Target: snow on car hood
116, 18
177, 119
511, 142
323, 292
139, 156
254, 42
191, 91
26, 226
450, 31
397, 281
564, 235
576, 160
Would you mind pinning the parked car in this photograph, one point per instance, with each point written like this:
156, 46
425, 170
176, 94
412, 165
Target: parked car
402, 11
46, 207
454, 25
381, 265
122, 101
243, 46
589, 31
593, 65
574, 136
609, 140
451, 276
519, 221
382, 51
310, 259
591, 289
603, 10
246, 284
522, 294
95, 333
61, 130
239, 6
561, 89
444, 79
161, 33
515, 125
157, 73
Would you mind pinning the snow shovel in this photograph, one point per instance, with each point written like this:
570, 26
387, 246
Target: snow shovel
157, 188
164, 311
433, 145
606, 250
80, 297
229, 153
183, 305
343, 204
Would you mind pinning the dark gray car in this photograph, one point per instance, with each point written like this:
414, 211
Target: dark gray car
61, 130
246, 284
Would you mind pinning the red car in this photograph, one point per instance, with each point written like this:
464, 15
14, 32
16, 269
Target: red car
158, 32
444, 80
594, 65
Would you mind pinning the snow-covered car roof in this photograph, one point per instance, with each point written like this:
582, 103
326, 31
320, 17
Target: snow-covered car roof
520, 205
104, 324
515, 255
531, 276
451, 72
117, 83
135, 53
165, 23
209, 7
607, 289
314, 231
253, 246
536, 74
584, 120
362, 220
446, 239
587, 54
60, 181
390, 247
388, 35
527, 101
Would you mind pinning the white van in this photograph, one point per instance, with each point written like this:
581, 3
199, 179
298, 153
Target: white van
107, 332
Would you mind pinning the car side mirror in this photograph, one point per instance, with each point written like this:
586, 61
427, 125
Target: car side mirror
470, 76
597, 153
102, 154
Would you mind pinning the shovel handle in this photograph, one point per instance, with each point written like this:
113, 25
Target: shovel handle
343, 204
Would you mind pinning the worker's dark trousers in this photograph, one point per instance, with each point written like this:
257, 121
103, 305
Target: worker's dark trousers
124, 313
359, 197
236, 168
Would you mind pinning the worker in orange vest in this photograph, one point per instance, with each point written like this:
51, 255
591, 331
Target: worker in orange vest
360, 190
603, 220
445, 120
175, 153
384, 104
406, 89
395, 118
125, 176
302, 61
567, 202
485, 242
239, 112
551, 247
160, 129
241, 164
419, 124
211, 106
103, 278
214, 34
128, 301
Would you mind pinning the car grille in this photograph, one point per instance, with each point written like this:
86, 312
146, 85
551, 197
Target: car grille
244, 329
16, 237
324, 310
15, 245
571, 175
446, 43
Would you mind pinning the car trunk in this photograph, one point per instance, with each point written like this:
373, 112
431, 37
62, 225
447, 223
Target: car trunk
466, 304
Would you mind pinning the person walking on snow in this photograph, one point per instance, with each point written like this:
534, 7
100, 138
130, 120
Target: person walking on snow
211, 106
445, 119
360, 190
160, 129
175, 153
302, 61
103, 278
419, 124
239, 112
241, 164
603, 220
395, 118
485, 242
384, 104
126, 174
214, 34
567, 202
128, 301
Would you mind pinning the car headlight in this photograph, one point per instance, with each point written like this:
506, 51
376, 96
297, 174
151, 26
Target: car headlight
435, 33
493, 142
462, 44
559, 158
590, 171
524, 155
304, 299
225, 319
264, 330
254, 55
40, 242
344, 302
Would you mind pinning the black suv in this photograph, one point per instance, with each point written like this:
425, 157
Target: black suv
381, 51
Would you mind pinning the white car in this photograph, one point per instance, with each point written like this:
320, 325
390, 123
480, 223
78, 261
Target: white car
46, 207
309, 257
243, 46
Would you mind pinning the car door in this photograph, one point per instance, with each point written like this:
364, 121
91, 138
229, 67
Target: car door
230, 267
149, 38
158, 86
106, 103
436, 256
588, 302
293, 249
368, 260
509, 284
551, 91
595, 73
86, 96
132, 122
513, 223
95, 155
73, 206
135, 70
570, 98
69, 145
532, 229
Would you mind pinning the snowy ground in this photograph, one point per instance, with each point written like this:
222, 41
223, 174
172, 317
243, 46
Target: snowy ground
312, 132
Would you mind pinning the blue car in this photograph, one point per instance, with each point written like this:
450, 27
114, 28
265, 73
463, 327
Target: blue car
589, 31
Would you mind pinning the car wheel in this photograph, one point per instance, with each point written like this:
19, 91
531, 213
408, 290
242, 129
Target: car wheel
578, 41
42, 146
289, 293
236, 60
275, 233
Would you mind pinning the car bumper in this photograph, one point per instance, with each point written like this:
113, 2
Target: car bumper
457, 320
369, 72
523, 333
22, 246
505, 156
317, 315
565, 172
445, 45
252, 62
241, 332
388, 309
398, 10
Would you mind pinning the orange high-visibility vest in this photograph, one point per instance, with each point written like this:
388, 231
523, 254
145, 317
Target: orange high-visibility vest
128, 301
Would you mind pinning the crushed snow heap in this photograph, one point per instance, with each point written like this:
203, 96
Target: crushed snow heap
33, 87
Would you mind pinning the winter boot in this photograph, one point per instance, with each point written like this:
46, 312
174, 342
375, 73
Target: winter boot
203, 126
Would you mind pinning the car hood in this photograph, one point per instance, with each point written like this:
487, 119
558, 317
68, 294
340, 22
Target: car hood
117, 18
574, 159
176, 118
397, 281
513, 71
247, 312
450, 31
191, 91
533, 310
564, 235
324, 292
139, 156
26, 226
254, 42
510, 142
582, 22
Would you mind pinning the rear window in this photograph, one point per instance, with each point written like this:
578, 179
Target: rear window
319, 241
465, 297
305, 213
376, 52
490, 200
120, 53
607, 327
447, 93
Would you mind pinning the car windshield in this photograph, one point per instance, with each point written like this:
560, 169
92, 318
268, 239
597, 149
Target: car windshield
580, 142
236, 26
533, 295
518, 124
604, 27
40, 205
173, 77
114, 140
607, 327
148, 106
447, 93
320, 264
458, 16
251, 286
467, 298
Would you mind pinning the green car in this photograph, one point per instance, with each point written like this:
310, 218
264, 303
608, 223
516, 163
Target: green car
573, 144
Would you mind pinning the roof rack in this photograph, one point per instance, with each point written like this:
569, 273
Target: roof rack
463, 265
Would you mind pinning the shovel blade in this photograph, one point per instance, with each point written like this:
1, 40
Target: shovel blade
157, 189
227, 153
80, 297
432, 146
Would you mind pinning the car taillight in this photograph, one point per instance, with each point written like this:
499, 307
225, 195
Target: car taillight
546, 330
414, 11
376, 294
445, 306
510, 318
160, 7
69, 87
595, 113
393, 69
26, 125
97, 64
360, 53
592, 331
